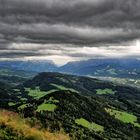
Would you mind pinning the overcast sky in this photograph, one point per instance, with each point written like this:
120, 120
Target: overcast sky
69, 30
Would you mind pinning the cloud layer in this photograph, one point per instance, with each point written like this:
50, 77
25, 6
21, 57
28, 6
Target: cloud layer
69, 24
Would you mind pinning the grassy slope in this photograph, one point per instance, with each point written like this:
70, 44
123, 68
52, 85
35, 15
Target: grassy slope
13, 127
48, 107
92, 126
105, 91
123, 116
37, 94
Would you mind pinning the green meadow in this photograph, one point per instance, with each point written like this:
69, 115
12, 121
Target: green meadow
123, 116
46, 107
11, 103
37, 94
105, 91
90, 125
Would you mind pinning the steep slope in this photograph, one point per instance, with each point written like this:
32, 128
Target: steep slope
13, 127
81, 117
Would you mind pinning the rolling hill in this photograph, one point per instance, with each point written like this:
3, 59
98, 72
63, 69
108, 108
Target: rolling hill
85, 108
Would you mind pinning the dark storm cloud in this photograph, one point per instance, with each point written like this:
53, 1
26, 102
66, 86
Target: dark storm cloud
62, 20
75, 22
21, 53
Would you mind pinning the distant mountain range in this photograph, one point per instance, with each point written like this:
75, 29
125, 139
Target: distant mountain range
122, 68
126, 68
35, 66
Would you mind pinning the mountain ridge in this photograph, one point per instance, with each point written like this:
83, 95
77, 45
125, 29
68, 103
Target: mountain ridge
121, 67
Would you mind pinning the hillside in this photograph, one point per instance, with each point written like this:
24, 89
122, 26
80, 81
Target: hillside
14, 76
85, 86
85, 108
13, 127
4, 71
122, 68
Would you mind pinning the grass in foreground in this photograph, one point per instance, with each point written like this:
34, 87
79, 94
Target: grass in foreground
90, 125
123, 116
13, 127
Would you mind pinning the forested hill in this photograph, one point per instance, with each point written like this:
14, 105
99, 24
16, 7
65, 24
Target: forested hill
85, 108
85, 86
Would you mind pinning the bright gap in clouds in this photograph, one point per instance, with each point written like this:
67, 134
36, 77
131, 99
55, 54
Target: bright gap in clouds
63, 53
58, 60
